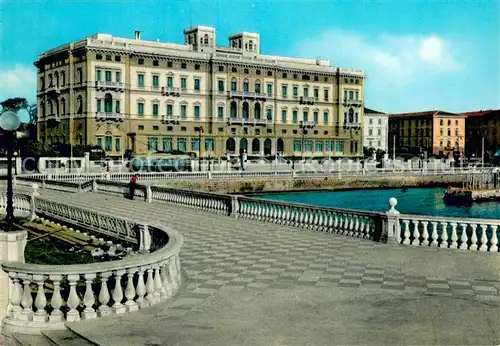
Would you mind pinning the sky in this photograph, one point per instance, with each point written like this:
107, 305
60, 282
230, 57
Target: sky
417, 55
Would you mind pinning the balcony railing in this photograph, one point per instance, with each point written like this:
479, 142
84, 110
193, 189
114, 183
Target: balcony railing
108, 85
172, 119
355, 103
232, 93
103, 116
308, 100
247, 121
170, 91
254, 95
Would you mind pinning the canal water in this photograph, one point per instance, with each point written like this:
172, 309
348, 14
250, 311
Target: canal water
425, 201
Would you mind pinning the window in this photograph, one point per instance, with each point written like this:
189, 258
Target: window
284, 90
118, 77
197, 84
380, 121
117, 106
220, 85
167, 144
183, 83
155, 110
99, 142
449, 132
79, 74
98, 105
220, 112
295, 117
183, 65
283, 116
316, 93
297, 145
170, 81
351, 95
308, 145
98, 56
257, 87
269, 73
269, 88
140, 80
97, 76
316, 117
140, 109
140, 61
325, 118
196, 112
441, 122
107, 75
284, 75
449, 122
108, 103
329, 146
379, 132
370, 132
195, 144
170, 64
318, 146
140, 127
370, 121
181, 144
196, 67
306, 92
233, 85
221, 68
156, 128
269, 114
245, 86
357, 95
295, 91
305, 116
345, 94
326, 95
170, 110
117, 144
118, 58
63, 78
245, 71
456, 122
339, 147
152, 143
156, 81
108, 146
209, 144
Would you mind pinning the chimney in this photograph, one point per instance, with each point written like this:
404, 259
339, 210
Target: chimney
137, 35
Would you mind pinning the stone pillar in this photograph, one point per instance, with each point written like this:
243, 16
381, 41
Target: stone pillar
12, 246
392, 228
149, 194
94, 185
234, 207
144, 238
86, 162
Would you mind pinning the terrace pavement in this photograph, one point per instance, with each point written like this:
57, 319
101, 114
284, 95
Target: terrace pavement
250, 282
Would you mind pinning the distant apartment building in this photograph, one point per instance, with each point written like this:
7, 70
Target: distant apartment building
482, 126
434, 132
376, 129
149, 96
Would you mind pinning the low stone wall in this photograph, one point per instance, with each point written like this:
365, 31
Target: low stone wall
331, 183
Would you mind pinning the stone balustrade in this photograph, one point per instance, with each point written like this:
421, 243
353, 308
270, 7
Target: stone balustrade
47, 296
354, 223
66, 186
23, 204
448, 232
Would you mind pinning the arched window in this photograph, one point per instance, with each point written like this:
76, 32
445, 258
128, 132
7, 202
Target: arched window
56, 107
280, 145
230, 145
205, 40
257, 86
255, 145
63, 78
51, 107
108, 103
243, 145
267, 146
56, 76
79, 102
245, 110
63, 106
50, 81
234, 84
42, 108
351, 115
257, 111
245, 85
250, 45
233, 109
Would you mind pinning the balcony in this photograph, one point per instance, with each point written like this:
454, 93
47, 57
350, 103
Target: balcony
254, 95
308, 123
233, 93
352, 103
352, 126
246, 121
170, 91
171, 119
307, 100
108, 85
109, 116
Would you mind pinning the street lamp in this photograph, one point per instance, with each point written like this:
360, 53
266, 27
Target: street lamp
304, 126
200, 131
9, 122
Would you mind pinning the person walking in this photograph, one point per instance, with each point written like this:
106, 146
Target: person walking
132, 186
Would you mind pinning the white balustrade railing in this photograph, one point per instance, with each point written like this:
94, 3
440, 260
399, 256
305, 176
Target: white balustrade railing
449, 232
47, 296
23, 204
355, 223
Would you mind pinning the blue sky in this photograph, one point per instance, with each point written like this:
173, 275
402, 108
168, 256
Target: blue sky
417, 55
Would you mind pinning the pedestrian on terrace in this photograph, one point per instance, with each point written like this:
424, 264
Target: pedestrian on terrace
132, 186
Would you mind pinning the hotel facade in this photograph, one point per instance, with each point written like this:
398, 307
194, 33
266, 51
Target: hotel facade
148, 96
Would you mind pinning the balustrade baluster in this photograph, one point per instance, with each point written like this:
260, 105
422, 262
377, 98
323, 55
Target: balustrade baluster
88, 298
130, 304
27, 300
425, 233
150, 287
463, 237
118, 307
473, 238
444, 235
494, 238
454, 237
336, 222
141, 289
173, 267
416, 233
347, 221
406, 233
484, 238
73, 301
104, 296
40, 314
158, 285
17, 294
356, 226
434, 234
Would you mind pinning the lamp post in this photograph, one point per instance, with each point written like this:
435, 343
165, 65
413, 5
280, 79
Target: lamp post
200, 131
304, 126
9, 122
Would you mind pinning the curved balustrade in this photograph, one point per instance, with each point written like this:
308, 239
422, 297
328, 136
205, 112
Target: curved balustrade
66, 186
22, 204
47, 296
354, 223
453, 233
212, 202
